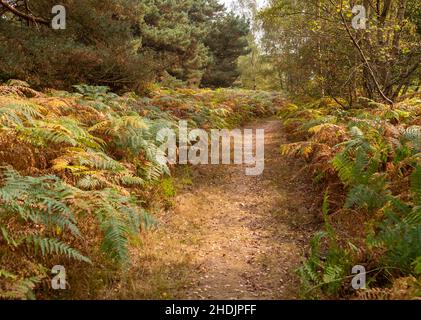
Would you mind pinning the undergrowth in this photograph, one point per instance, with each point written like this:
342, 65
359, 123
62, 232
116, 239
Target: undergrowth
369, 158
79, 172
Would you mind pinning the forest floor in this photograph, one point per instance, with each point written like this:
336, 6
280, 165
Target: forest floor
228, 235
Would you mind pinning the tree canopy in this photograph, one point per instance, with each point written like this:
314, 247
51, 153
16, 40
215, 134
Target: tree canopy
122, 44
316, 49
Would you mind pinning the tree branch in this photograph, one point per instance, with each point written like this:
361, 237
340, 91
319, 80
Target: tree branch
22, 15
364, 58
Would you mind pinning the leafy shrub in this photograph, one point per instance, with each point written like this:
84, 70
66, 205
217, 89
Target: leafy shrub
86, 202
327, 266
374, 151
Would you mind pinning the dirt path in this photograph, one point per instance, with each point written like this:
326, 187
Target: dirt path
232, 236
250, 235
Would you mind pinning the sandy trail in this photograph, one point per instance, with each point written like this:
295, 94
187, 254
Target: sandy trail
249, 232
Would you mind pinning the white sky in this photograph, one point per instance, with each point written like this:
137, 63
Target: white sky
233, 6
230, 4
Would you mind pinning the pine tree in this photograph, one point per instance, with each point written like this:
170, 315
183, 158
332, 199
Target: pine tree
98, 45
227, 41
174, 31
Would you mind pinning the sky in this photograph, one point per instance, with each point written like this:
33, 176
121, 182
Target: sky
231, 3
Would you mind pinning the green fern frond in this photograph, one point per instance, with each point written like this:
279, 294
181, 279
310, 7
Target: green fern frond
115, 242
344, 165
63, 131
17, 113
55, 246
363, 196
416, 185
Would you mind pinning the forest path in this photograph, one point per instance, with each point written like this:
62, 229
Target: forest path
233, 236
250, 228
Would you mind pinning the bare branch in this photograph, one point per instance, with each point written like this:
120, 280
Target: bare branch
22, 15
360, 50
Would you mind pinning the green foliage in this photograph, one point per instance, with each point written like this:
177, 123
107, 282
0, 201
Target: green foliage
98, 45
36, 200
61, 131
95, 170
257, 72
400, 233
372, 61
174, 32
88, 168
134, 135
414, 13
368, 188
417, 266
168, 187
416, 186
92, 92
48, 210
227, 42
377, 160
15, 113
120, 217
49, 202
122, 44
53, 246
35, 215
327, 266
